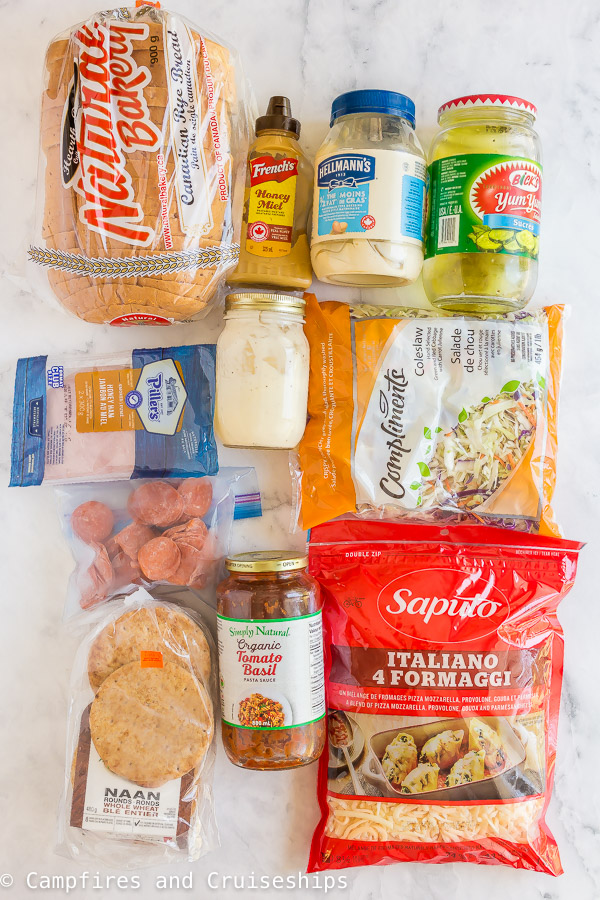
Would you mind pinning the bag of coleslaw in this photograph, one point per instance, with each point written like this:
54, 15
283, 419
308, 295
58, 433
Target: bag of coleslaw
444, 659
431, 417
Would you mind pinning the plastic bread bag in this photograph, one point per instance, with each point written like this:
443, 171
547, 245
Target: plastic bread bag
151, 532
133, 414
430, 417
443, 680
145, 124
140, 742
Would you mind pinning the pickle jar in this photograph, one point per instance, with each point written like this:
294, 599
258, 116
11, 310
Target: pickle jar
270, 661
485, 186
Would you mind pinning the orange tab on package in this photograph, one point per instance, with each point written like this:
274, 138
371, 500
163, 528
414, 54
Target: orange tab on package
151, 659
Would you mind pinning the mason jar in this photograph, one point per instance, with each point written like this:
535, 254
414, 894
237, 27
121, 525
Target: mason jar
262, 371
369, 194
485, 190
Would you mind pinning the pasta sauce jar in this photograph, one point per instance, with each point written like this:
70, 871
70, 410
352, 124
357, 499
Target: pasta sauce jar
262, 371
485, 193
270, 661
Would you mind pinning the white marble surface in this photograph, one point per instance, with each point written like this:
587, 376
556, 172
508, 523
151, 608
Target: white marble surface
545, 50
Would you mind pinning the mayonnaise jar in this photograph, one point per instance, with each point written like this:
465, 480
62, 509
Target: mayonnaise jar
369, 195
262, 372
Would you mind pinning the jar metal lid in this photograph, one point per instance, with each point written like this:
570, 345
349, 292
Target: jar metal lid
387, 103
265, 300
266, 561
473, 101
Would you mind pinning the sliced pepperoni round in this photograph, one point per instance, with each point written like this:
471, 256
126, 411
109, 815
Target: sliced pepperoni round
132, 538
96, 581
193, 532
92, 521
156, 503
159, 559
126, 570
189, 566
197, 496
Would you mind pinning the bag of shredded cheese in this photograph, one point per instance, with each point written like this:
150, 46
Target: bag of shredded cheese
431, 417
443, 677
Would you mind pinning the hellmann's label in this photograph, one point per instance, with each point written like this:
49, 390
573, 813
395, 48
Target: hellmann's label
271, 671
271, 204
378, 196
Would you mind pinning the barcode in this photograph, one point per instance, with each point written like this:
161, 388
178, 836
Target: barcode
448, 230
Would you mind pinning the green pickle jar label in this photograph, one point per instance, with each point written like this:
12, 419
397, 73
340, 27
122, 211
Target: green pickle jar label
484, 203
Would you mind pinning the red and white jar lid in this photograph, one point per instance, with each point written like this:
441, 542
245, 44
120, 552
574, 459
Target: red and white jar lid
472, 101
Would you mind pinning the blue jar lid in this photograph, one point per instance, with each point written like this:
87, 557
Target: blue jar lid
387, 103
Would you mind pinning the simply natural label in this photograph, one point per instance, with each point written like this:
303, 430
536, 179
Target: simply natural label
271, 204
271, 671
378, 195
484, 203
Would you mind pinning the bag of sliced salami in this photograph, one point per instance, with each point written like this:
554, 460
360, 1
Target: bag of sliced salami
443, 685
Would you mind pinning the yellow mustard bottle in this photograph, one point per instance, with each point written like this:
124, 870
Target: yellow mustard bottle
274, 244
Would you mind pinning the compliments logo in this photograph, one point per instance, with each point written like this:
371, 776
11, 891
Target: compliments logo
443, 606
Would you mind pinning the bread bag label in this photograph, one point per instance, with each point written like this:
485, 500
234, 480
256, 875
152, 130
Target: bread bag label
103, 801
192, 180
112, 121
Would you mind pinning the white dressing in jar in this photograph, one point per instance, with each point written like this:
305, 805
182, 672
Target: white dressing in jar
262, 372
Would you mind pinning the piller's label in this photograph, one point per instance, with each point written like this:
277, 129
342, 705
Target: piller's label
378, 195
271, 205
271, 671
152, 398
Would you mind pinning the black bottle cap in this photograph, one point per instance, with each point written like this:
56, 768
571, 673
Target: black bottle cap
278, 117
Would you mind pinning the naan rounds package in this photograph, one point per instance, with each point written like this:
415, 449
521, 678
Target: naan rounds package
144, 131
140, 745
431, 417
443, 680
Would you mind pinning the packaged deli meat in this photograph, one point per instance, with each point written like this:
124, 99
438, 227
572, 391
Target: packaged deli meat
431, 417
140, 413
151, 532
140, 745
443, 677
144, 133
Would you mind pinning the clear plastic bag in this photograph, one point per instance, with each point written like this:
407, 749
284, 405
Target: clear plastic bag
146, 532
138, 772
140, 414
145, 124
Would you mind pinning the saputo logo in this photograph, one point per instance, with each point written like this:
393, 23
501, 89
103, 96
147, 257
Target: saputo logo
443, 606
